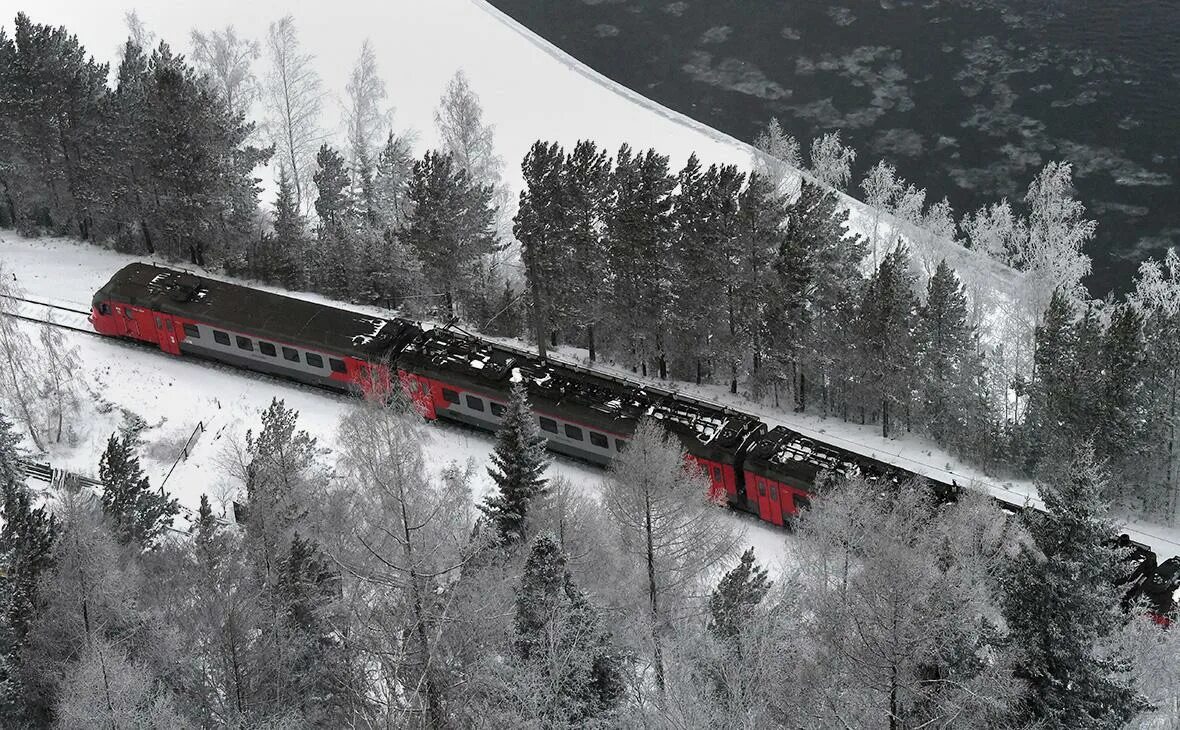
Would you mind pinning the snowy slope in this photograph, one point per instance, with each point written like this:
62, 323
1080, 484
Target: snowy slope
173, 395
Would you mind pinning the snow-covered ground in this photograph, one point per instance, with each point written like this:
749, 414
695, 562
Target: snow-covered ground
174, 394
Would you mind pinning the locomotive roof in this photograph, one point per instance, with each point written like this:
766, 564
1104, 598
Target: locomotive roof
251, 311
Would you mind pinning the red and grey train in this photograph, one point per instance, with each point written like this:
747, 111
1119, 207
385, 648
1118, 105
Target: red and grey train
771, 473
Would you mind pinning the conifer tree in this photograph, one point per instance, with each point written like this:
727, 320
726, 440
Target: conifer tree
704, 215
139, 513
559, 637
540, 227
450, 227
885, 326
732, 603
586, 189
638, 233
761, 213
27, 535
1062, 608
1051, 390
518, 469
947, 364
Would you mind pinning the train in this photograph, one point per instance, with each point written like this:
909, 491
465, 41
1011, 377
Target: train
772, 473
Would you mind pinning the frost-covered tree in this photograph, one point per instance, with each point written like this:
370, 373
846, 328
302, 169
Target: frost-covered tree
282, 473
518, 470
59, 382
18, 379
406, 539
562, 646
881, 185
366, 120
995, 230
737, 595
1062, 608
293, 96
781, 158
935, 230
898, 599
467, 138
831, 160
225, 59
140, 514
1058, 230
669, 529
104, 689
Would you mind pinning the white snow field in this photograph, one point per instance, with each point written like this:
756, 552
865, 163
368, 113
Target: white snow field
175, 394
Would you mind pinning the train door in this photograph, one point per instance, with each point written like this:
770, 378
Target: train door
166, 333
130, 323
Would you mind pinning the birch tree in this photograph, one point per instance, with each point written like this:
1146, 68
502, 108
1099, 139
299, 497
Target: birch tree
995, 230
880, 185
59, 389
293, 98
225, 58
104, 689
366, 120
1057, 232
831, 160
781, 158
669, 528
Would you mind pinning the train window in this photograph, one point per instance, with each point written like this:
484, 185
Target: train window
244, 343
548, 424
620, 444
337, 365
716, 473
104, 308
159, 324
190, 330
313, 359
497, 409
267, 349
474, 403
450, 396
762, 487
220, 337
573, 432
290, 353
599, 440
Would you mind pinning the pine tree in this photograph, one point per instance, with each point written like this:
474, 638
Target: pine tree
559, 636
27, 536
885, 323
540, 227
586, 187
761, 214
139, 514
1062, 607
737, 595
704, 215
450, 227
1051, 390
285, 261
518, 468
948, 368
638, 244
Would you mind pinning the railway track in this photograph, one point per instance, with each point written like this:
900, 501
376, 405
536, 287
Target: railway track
49, 307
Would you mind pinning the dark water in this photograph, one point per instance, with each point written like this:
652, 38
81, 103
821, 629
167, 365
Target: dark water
968, 98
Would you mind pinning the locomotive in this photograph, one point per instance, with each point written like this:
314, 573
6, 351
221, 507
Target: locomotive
451, 375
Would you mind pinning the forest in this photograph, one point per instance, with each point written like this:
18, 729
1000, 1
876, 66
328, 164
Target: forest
358, 589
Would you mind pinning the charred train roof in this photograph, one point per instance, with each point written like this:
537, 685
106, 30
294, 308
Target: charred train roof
242, 309
609, 398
